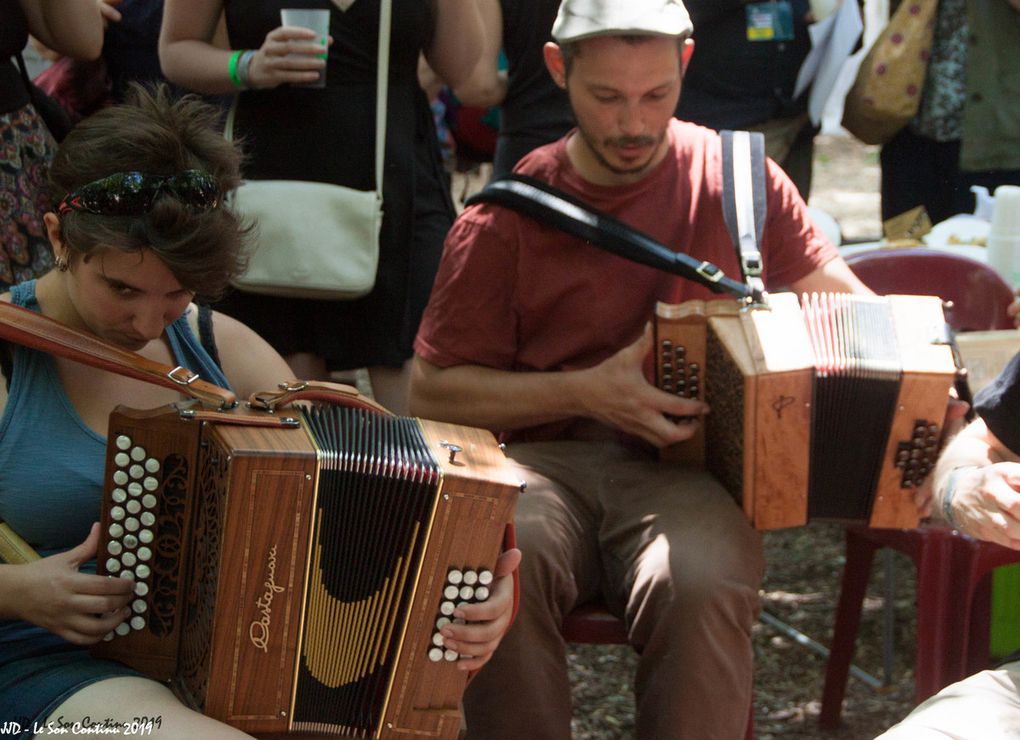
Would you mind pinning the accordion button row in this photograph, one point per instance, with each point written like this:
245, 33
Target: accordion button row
463, 587
133, 515
676, 374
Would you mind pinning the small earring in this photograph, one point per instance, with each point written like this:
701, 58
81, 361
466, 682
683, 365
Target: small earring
61, 263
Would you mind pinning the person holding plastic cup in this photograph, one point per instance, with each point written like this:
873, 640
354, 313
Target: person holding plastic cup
327, 135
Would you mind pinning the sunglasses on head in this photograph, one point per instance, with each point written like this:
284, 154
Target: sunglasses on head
133, 193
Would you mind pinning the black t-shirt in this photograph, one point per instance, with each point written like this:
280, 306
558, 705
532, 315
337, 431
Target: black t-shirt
13, 37
535, 111
733, 83
999, 405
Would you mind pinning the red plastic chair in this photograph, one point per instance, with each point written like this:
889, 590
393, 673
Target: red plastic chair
593, 624
953, 588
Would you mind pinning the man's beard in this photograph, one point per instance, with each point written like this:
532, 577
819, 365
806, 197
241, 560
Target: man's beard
622, 141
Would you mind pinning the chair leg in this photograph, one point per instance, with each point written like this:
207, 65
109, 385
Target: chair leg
936, 665
860, 552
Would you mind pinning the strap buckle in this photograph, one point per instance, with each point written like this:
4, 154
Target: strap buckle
182, 376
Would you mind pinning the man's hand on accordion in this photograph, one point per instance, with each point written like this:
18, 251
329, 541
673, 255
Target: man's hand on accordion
485, 622
53, 594
617, 393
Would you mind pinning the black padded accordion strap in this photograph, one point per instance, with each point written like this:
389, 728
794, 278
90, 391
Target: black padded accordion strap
552, 206
744, 202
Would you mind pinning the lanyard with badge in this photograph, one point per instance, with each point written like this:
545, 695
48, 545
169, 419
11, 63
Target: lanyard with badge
771, 21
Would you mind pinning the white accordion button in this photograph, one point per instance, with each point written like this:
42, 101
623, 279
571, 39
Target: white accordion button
470, 577
130, 541
450, 592
114, 548
447, 608
144, 553
120, 477
116, 530
138, 606
129, 559
131, 524
436, 654
451, 655
481, 593
145, 535
112, 565
454, 577
141, 588
117, 513
143, 571
148, 518
150, 484
118, 495
123, 442
121, 460
137, 454
136, 471
133, 506
152, 465
485, 577
442, 622
437, 640
122, 629
135, 488
466, 592
137, 623
108, 636
149, 501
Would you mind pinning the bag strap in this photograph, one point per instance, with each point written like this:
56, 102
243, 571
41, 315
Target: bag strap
34, 330
550, 205
744, 203
382, 79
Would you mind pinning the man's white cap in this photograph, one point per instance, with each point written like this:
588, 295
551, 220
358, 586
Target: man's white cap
582, 19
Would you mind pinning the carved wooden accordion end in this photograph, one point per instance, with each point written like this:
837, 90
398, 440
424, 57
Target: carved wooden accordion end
829, 410
295, 579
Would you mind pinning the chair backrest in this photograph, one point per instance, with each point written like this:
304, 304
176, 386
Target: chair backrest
979, 295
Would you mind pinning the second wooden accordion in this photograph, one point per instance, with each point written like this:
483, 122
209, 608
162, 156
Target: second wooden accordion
295, 579
831, 409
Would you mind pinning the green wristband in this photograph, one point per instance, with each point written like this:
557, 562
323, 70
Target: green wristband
232, 68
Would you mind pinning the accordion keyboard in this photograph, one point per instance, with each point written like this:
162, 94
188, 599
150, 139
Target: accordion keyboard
462, 587
133, 515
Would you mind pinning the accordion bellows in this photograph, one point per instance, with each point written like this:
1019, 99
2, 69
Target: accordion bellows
831, 410
295, 579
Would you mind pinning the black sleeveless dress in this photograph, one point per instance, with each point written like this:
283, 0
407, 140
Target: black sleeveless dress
328, 135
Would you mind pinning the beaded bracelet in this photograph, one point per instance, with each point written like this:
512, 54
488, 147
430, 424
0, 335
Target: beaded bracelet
232, 69
949, 491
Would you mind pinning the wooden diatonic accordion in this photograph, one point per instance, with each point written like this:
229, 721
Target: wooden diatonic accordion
831, 409
295, 579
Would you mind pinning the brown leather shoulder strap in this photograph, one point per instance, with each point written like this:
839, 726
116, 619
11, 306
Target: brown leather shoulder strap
42, 333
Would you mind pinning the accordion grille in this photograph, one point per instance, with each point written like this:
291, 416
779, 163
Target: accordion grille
724, 434
200, 598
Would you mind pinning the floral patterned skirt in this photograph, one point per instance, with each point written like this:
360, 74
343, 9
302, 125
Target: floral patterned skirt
26, 149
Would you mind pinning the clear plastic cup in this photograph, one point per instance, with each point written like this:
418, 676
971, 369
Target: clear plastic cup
317, 21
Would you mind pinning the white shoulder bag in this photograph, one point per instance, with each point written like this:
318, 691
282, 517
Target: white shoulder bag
314, 239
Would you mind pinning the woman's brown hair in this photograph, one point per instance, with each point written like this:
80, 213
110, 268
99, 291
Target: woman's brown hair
156, 134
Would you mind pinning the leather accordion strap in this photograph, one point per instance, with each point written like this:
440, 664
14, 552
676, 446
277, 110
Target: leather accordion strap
22, 326
552, 206
301, 390
744, 203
